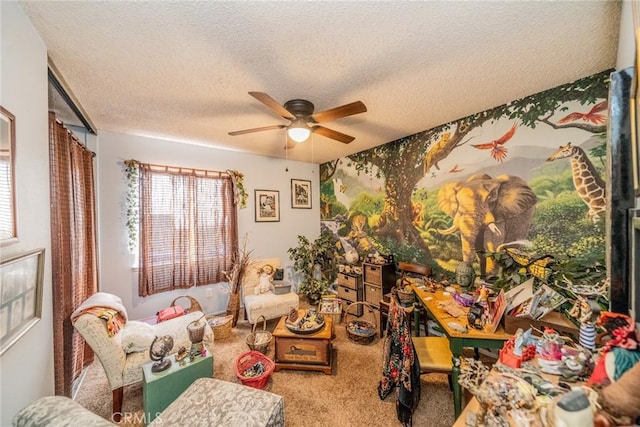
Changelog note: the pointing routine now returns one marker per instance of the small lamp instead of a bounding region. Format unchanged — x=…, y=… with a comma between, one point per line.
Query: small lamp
x=298, y=130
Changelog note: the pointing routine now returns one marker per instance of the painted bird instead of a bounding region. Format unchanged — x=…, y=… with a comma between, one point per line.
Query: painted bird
x=592, y=116
x=498, y=152
x=455, y=169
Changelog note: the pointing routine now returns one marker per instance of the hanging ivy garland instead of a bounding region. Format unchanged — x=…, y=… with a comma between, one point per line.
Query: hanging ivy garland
x=240, y=194
x=133, y=199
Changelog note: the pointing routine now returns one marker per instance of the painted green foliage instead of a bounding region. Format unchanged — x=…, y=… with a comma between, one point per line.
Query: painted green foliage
x=396, y=185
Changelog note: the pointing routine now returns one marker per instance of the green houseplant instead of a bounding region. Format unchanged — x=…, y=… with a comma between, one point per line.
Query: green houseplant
x=316, y=261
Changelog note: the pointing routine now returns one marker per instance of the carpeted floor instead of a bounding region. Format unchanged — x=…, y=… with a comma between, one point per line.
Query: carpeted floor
x=346, y=398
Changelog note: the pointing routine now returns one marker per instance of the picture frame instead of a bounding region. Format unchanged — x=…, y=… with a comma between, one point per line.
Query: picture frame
x=21, y=279
x=330, y=306
x=300, y=194
x=267, y=205
x=8, y=228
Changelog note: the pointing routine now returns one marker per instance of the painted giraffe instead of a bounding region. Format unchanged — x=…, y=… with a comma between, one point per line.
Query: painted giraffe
x=588, y=183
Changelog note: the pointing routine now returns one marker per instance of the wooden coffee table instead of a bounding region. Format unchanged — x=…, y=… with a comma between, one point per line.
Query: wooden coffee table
x=310, y=352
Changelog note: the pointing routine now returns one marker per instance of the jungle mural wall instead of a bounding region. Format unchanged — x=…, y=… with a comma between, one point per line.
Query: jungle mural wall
x=531, y=170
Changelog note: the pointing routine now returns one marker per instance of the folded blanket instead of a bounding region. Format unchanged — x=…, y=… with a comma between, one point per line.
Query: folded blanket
x=100, y=299
x=114, y=319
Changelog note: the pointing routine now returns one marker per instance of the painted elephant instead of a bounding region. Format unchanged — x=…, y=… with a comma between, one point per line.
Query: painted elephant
x=487, y=212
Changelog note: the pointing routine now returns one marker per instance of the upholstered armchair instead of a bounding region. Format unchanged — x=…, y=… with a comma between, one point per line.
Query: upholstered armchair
x=258, y=301
x=123, y=354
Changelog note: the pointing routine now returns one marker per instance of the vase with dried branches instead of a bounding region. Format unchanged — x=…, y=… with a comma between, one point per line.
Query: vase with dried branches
x=241, y=264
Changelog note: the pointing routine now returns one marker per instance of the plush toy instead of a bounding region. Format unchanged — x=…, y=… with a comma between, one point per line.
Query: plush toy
x=265, y=280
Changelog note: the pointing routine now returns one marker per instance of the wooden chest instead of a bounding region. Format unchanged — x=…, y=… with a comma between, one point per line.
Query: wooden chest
x=311, y=352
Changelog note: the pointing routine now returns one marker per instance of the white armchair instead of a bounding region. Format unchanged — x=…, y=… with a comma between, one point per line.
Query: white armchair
x=123, y=355
x=268, y=304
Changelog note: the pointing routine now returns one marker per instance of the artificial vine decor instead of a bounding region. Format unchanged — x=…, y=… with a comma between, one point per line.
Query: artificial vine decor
x=240, y=195
x=133, y=199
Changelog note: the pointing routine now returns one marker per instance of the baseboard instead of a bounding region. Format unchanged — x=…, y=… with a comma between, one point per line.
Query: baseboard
x=75, y=387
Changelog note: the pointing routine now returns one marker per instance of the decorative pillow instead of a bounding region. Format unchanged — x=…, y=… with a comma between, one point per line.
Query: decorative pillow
x=136, y=336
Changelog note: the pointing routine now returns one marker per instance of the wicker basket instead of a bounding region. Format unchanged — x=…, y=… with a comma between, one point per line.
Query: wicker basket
x=259, y=340
x=406, y=298
x=248, y=360
x=194, y=304
x=221, y=326
x=361, y=331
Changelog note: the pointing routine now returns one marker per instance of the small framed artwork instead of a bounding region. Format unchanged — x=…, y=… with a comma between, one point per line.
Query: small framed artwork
x=300, y=194
x=20, y=296
x=267, y=205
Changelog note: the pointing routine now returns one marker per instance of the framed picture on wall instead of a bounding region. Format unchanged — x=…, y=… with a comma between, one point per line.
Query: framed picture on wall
x=300, y=194
x=20, y=296
x=267, y=205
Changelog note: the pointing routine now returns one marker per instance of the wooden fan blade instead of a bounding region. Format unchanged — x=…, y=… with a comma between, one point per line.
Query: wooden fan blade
x=337, y=112
x=242, y=132
x=273, y=104
x=333, y=134
x=290, y=144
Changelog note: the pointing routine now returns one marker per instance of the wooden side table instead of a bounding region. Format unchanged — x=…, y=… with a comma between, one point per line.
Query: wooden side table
x=159, y=389
x=311, y=352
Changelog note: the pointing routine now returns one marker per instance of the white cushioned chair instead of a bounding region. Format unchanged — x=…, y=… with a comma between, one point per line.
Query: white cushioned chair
x=123, y=355
x=269, y=304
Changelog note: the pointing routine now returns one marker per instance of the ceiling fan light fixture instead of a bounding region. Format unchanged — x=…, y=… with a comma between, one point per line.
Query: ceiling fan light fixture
x=298, y=130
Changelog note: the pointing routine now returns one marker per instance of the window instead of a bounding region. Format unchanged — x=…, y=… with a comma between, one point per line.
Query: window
x=187, y=228
x=7, y=229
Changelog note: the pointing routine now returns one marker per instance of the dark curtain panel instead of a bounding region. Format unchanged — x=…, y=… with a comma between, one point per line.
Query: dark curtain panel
x=73, y=248
x=620, y=196
x=188, y=228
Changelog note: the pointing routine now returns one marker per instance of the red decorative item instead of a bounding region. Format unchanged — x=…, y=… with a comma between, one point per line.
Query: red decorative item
x=509, y=358
x=249, y=359
x=170, y=313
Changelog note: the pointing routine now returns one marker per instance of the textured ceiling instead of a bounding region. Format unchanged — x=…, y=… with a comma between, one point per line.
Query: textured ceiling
x=182, y=70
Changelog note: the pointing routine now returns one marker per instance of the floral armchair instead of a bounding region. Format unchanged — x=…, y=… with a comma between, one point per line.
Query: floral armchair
x=123, y=354
x=260, y=300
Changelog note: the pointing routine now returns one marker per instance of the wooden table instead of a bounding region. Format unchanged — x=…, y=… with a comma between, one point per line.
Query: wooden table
x=312, y=352
x=457, y=340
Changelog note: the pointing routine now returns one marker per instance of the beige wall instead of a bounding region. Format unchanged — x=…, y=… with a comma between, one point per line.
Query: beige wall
x=267, y=240
x=26, y=368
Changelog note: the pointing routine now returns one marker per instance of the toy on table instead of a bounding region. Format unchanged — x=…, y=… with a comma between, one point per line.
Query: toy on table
x=519, y=348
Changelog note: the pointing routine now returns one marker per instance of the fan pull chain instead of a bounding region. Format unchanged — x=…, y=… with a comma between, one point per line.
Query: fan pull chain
x=286, y=154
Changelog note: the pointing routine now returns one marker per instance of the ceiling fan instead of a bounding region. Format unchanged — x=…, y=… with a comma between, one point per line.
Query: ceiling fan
x=303, y=120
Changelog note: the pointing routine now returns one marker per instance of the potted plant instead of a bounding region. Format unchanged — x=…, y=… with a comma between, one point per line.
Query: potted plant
x=316, y=261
